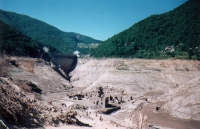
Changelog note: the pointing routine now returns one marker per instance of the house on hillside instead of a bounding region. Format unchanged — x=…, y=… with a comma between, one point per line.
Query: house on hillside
x=169, y=49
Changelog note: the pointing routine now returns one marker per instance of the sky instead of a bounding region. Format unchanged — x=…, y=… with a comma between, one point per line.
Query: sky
x=99, y=19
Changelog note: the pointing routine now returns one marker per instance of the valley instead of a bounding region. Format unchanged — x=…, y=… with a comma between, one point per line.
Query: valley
x=120, y=91
x=145, y=77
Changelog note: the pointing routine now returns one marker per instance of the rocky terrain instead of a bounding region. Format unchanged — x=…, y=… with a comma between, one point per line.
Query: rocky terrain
x=171, y=85
x=112, y=93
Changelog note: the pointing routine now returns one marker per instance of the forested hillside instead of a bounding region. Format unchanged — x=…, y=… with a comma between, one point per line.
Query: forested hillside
x=65, y=42
x=14, y=42
x=179, y=28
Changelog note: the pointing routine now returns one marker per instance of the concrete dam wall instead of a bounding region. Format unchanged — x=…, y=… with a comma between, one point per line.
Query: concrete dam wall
x=66, y=62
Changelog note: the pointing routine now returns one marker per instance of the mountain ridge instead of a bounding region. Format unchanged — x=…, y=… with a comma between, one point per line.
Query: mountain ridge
x=65, y=42
x=13, y=42
x=149, y=37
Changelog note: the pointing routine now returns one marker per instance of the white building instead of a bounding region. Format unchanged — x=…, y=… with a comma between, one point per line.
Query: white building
x=76, y=53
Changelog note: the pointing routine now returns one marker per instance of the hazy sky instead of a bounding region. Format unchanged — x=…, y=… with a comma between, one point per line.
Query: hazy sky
x=99, y=19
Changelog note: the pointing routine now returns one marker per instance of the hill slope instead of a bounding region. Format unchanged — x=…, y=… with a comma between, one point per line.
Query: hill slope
x=14, y=42
x=65, y=42
x=146, y=39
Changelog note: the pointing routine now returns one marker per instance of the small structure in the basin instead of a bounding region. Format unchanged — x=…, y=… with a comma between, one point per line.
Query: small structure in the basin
x=77, y=96
x=103, y=99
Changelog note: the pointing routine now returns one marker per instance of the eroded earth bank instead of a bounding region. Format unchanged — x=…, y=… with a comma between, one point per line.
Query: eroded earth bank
x=108, y=93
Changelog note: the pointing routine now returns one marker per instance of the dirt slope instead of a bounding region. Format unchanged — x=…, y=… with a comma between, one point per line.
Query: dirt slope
x=175, y=83
x=40, y=73
x=172, y=86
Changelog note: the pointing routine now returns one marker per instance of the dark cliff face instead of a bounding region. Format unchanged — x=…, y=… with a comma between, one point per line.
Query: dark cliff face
x=66, y=63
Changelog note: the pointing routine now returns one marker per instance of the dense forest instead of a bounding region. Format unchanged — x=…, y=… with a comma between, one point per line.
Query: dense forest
x=65, y=42
x=179, y=29
x=14, y=42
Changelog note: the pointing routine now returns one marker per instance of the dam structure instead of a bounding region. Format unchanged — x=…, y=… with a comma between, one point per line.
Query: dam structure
x=64, y=63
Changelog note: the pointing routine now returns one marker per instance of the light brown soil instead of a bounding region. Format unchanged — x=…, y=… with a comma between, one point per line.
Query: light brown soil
x=157, y=80
x=172, y=85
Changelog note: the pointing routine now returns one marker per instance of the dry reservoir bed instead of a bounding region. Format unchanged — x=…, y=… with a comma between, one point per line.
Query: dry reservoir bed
x=114, y=93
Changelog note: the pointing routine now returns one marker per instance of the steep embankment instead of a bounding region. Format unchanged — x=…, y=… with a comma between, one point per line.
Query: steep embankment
x=39, y=73
x=19, y=107
x=22, y=100
x=184, y=101
x=175, y=82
